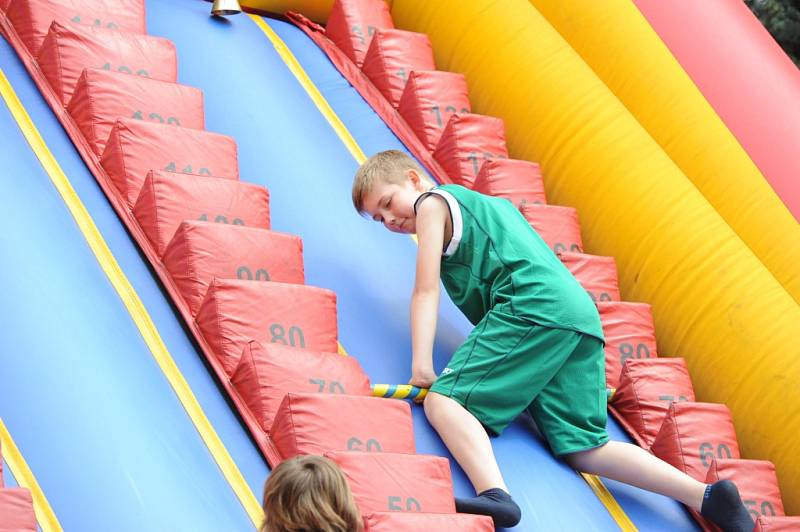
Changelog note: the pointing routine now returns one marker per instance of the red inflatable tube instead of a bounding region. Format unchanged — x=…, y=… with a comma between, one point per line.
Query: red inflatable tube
x=693, y=435
x=32, y=18
x=428, y=101
x=394, y=521
x=167, y=199
x=4, y=4
x=777, y=524
x=629, y=333
x=757, y=483
x=558, y=226
x=102, y=97
x=67, y=50
x=520, y=182
x=352, y=23
x=469, y=140
x=392, y=56
x=235, y=312
x=646, y=389
x=390, y=482
x=266, y=373
x=313, y=423
x=598, y=275
x=16, y=510
x=135, y=147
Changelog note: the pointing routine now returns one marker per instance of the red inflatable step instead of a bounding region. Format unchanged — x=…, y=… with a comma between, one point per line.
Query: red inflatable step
x=558, y=226
x=693, y=434
x=629, y=333
x=267, y=372
x=135, y=147
x=352, y=23
x=428, y=101
x=777, y=524
x=235, y=312
x=201, y=251
x=67, y=50
x=757, y=483
x=16, y=510
x=469, y=140
x=32, y=18
x=101, y=97
x=313, y=423
x=394, y=521
x=395, y=482
x=392, y=56
x=597, y=275
x=646, y=389
x=520, y=182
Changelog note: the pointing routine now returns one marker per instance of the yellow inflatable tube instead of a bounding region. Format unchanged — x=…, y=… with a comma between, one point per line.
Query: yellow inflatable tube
x=618, y=43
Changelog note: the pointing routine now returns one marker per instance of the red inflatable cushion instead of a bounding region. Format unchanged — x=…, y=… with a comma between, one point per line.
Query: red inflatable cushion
x=629, y=333
x=67, y=50
x=757, y=483
x=597, y=275
x=135, y=147
x=394, y=521
x=558, y=226
x=312, y=423
x=32, y=18
x=16, y=510
x=167, y=199
x=520, y=182
x=393, y=482
x=352, y=23
x=101, y=97
x=235, y=312
x=392, y=56
x=266, y=373
x=646, y=389
x=201, y=251
x=469, y=140
x=428, y=101
x=777, y=524
x=693, y=434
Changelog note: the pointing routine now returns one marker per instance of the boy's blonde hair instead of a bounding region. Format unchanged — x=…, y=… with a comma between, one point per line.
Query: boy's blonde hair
x=309, y=494
x=388, y=166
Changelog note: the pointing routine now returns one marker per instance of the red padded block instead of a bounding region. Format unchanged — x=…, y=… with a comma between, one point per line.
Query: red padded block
x=392, y=482
x=467, y=142
x=235, y=312
x=558, y=226
x=394, y=521
x=392, y=56
x=67, y=50
x=167, y=199
x=757, y=483
x=312, y=423
x=267, y=372
x=352, y=23
x=646, y=389
x=135, y=147
x=597, y=275
x=693, y=434
x=777, y=524
x=16, y=510
x=101, y=97
x=520, y=182
x=201, y=251
x=32, y=18
x=428, y=101
x=629, y=333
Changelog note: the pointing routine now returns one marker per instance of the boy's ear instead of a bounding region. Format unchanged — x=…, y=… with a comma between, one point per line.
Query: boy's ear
x=414, y=176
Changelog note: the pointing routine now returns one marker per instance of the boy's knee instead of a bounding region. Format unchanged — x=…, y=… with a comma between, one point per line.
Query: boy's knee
x=433, y=405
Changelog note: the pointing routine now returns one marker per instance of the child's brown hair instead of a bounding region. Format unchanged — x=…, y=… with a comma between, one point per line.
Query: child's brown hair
x=309, y=494
x=388, y=166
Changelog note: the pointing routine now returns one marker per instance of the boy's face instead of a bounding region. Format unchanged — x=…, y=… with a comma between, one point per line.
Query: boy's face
x=392, y=204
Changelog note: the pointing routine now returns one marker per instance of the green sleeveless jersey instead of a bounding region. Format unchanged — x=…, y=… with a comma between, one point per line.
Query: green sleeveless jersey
x=495, y=260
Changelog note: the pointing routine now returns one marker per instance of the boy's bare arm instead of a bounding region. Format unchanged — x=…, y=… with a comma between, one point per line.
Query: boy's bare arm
x=431, y=219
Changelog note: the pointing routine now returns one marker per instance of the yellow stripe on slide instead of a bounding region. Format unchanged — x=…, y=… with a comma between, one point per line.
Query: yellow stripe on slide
x=133, y=304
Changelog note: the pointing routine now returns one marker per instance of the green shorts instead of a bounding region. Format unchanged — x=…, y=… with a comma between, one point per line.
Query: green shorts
x=509, y=364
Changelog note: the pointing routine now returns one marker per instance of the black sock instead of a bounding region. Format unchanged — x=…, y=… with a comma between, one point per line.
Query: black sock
x=495, y=503
x=723, y=506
